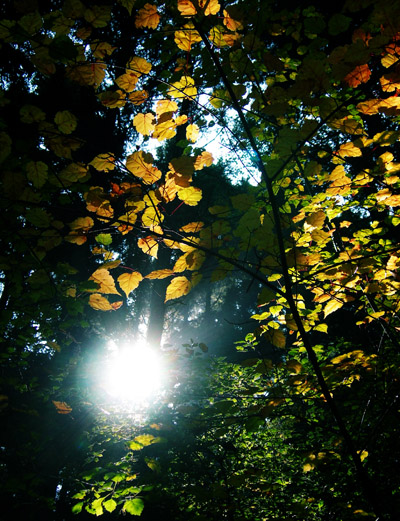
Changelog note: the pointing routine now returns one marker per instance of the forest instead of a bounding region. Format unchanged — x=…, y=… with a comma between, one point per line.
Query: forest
x=199, y=264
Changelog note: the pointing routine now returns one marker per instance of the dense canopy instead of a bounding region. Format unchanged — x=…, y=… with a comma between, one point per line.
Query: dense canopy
x=221, y=178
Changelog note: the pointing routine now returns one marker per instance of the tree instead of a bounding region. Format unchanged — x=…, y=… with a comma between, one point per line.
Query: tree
x=313, y=98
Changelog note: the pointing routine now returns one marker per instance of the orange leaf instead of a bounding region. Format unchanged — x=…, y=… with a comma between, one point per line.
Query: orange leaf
x=360, y=74
x=147, y=17
x=62, y=407
x=178, y=287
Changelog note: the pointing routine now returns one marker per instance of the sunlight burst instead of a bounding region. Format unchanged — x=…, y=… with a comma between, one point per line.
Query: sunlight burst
x=133, y=374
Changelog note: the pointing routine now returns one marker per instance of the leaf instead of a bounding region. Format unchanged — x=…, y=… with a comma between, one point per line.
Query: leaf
x=147, y=17
x=160, y=274
x=145, y=439
x=187, y=37
x=65, y=121
x=97, y=301
x=149, y=246
x=129, y=281
x=133, y=506
x=37, y=173
x=110, y=505
x=103, y=162
x=178, y=287
x=104, y=238
x=82, y=223
x=165, y=105
x=192, y=133
x=144, y=123
x=62, y=407
x=140, y=165
x=332, y=306
x=190, y=196
x=138, y=65
x=105, y=281
x=361, y=74
x=127, y=81
x=183, y=88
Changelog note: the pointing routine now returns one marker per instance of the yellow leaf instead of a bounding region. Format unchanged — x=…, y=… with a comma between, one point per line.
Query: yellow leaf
x=105, y=281
x=97, y=301
x=165, y=130
x=192, y=132
x=332, y=306
x=103, y=162
x=186, y=8
x=139, y=164
x=349, y=150
x=204, y=159
x=138, y=97
x=129, y=281
x=82, y=223
x=190, y=196
x=138, y=65
x=315, y=220
x=149, y=246
x=183, y=88
x=127, y=81
x=178, y=287
x=165, y=105
x=144, y=123
x=160, y=274
x=192, y=227
x=186, y=37
x=147, y=17
x=65, y=121
x=211, y=6
x=221, y=37
x=152, y=217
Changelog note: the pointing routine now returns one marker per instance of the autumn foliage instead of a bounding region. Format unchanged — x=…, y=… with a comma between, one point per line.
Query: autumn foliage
x=307, y=101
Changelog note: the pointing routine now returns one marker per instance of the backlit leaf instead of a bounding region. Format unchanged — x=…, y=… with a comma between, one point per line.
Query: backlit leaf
x=178, y=287
x=97, y=301
x=333, y=305
x=133, y=506
x=183, y=88
x=103, y=162
x=62, y=407
x=129, y=281
x=147, y=17
x=190, y=196
x=187, y=37
x=360, y=74
x=192, y=132
x=138, y=66
x=149, y=246
x=110, y=505
x=105, y=281
x=160, y=274
x=140, y=165
x=144, y=123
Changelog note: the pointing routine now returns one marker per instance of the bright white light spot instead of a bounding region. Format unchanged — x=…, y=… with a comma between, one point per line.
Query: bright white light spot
x=133, y=374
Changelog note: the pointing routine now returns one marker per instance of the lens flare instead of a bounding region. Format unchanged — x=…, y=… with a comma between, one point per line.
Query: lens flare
x=133, y=374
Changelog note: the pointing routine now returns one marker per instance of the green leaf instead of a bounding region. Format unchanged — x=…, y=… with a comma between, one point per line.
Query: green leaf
x=110, y=505
x=104, y=238
x=133, y=506
x=76, y=509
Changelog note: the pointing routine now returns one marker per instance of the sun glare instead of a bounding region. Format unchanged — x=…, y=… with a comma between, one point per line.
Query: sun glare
x=133, y=374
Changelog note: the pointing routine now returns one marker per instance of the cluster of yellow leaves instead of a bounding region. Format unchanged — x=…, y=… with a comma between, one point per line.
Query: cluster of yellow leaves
x=186, y=7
